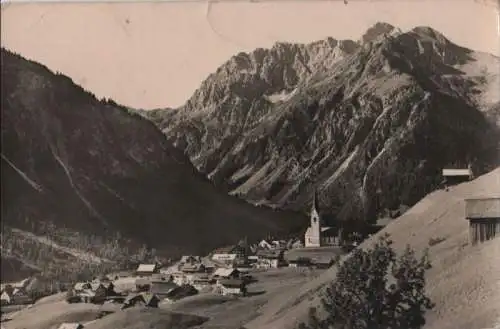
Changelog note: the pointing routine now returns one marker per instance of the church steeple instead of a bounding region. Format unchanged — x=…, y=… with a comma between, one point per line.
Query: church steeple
x=315, y=212
x=315, y=202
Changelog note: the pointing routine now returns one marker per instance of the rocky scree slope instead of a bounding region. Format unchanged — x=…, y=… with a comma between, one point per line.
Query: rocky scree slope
x=79, y=163
x=369, y=123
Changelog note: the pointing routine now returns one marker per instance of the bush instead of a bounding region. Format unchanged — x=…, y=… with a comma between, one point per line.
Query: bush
x=376, y=290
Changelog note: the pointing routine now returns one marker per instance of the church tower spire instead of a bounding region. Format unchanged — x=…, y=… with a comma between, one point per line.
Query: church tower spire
x=313, y=238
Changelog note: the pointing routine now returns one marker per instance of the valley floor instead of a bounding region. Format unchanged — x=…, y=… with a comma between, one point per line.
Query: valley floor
x=216, y=310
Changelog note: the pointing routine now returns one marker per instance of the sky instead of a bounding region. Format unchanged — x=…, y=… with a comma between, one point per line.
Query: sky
x=151, y=55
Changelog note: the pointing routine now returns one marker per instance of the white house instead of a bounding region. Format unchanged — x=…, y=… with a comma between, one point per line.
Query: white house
x=147, y=269
x=226, y=273
x=5, y=298
x=230, y=255
x=316, y=234
x=232, y=287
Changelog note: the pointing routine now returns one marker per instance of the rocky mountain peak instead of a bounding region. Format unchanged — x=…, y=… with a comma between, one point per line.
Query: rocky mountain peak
x=379, y=30
x=342, y=116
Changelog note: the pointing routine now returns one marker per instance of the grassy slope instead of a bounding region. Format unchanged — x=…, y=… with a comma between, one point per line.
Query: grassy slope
x=464, y=280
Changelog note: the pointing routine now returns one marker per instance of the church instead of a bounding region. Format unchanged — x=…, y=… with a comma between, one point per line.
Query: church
x=318, y=235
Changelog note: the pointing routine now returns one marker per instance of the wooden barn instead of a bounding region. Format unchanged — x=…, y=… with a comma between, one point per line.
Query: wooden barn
x=483, y=215
x=456, y=176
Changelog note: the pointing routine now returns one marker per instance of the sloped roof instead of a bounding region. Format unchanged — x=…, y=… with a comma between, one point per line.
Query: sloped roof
x=71, y=325
x=163, y=287
x=225, y=250
x=232, y=283
x=150, y=299
x=456, y=172
x=478, y=208
x=82, y=286
x=193, y=268
x=224, y=272
x=270, y=254
x=142, y=282
x=146, y=268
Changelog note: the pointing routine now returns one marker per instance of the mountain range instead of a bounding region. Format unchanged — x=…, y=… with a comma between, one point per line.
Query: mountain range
x=93, y=167
x=368, y=124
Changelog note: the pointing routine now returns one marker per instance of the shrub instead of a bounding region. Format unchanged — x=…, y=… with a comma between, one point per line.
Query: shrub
x=376, y=290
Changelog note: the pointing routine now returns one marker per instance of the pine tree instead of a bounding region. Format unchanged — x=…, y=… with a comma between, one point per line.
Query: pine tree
x=374, y=289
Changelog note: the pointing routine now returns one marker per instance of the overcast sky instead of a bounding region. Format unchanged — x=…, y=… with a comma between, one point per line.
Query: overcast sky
x=156, y=54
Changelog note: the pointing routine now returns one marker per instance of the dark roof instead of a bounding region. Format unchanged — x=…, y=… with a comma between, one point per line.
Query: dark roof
x=162, y=287
x=232, y=283
x=270, y=254
x=142, y=282
x=225, y=250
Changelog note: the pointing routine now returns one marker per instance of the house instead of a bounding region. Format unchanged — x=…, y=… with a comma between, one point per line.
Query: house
x=190, y=259
x=318, y=235
x=180, y=292
x=270, y=258
x=101, y=291
x=202, y=282
x=232, y=287
x=71, y=325
x=147, y=269
x=81, y=286
x=161, y=289
x=142, y=284
x=193, y=268
x=5, y=298
x=265, y=245
x=20, y=297
x=160, y=277
x=483, y=215
x=22, y=284
x=230, y=255
x=456, y=176
x=118, y=275
x=142, y=299
x=180, y=278
x=87, y=296
x=226, y=273
x=300, y=262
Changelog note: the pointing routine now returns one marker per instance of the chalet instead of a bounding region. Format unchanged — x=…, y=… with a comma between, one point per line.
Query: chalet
x=20, y=296
x=180, y=278
x=142, y=284
x=119, y=275
x=193, y=268
x=81, y=286
x=161, y=277
x=142, y=299
x=162, y=289
x=22, y=284
x=226, y=273
x=456, y=176
x=232, y=287
x=270, y=258
x=265, y=245
x=483, y=215
x=318, y=235
x=300, y=262
x=230, y=255
x=190, y=259
x=87, y=296
x=180, y=292
x=202, y=282
x=5, y=298
x=147, y=269
x=71, y=325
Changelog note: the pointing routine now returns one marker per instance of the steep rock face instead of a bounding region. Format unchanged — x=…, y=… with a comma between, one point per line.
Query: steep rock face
x=95, y=167
x=370, y=123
